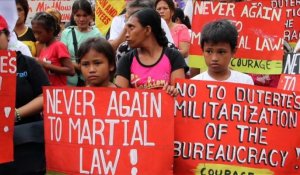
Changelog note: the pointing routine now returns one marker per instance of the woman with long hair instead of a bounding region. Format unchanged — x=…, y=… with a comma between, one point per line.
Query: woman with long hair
x=151, y=64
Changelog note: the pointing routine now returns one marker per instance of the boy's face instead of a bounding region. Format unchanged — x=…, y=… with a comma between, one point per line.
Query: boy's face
x=217, y=56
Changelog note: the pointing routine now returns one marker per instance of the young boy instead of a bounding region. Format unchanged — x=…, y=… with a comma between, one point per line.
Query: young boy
x=218, y=43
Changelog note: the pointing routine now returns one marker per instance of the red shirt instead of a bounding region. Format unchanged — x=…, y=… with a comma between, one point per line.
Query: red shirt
x=53, y=55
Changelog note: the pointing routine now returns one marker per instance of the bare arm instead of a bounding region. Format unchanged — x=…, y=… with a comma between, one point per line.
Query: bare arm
x=184, y=49
x=122, y=81
x=33, y=107
x=76, y=66
x=67, y=67
x=170, y=88
x=179, y=73
x=120, y=39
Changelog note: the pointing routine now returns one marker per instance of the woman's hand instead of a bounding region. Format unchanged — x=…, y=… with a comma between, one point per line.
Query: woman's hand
x=171, y=90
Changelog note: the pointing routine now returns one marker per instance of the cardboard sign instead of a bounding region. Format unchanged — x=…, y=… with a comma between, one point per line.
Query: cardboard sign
x=291, y=63
x=260, y=47
x=289, y=82
x=292, y=23
x=8, y=71
x=108, y=131
x=290, y=79
x=105, y=11
x=227, y=128
x=63, y=6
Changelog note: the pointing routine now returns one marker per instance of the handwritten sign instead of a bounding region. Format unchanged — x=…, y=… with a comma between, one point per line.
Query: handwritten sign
x=108, y=131
x=63, y=6
x=8, y=71
x=260, y=47
x=105, y=11
x=292, y=23
x=235, y=129
x=289, y=82
x=290, y=79
x=291, y=63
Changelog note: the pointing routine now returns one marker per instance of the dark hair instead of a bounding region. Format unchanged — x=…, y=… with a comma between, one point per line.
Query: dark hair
x=219, y=31
x=150, y=17
x=25, y=6
x=178, y=13
x=82, y=5
x=6, y=32
x=140, y=4
x=169, y=2
x=100, y=45
x=48, y=22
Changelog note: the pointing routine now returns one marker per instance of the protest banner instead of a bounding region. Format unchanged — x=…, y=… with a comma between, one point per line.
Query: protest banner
x=290, y=79
x=235, y=129
x=260, y=47
x=291, y=63
x=63, y=6
x=292, y=23
x=105, y=11
x=8, y=71
x=289, y=82
x=108, y=131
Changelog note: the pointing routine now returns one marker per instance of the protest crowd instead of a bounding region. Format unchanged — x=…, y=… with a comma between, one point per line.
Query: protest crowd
x=148, y=45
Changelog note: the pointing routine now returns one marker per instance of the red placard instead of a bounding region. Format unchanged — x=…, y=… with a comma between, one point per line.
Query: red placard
x=292, y=23
x=290, y=82
x=236, y=129
x=260, y=48
x=108, y=131
x=8, y=70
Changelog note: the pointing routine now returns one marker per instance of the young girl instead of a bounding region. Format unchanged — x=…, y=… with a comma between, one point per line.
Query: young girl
x=82, y=13
x=54, y=56
x=97, y=63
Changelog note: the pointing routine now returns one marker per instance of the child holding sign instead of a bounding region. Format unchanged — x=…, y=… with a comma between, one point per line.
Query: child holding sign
x=219, y=44
x=97, y=63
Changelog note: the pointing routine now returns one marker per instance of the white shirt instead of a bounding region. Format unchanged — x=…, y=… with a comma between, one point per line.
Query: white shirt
x=117, y=25
x=188, y=10
x=16, y=45
x=235, y=77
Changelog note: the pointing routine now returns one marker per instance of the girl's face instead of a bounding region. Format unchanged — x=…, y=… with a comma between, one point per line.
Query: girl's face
x=82, y=19
x=21, y=14
x=217, y=57
x=3, y=41
x=40, y=33
x=164, y=11
x=96, y=69
x=135, y=32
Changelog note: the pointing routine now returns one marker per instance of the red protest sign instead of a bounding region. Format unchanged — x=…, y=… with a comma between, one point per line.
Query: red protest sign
x=235, y=129
x=290, y=78
x=292, y=23
x=8, y=70
x=108, y=131
x=259, y=45
x=290, y=82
